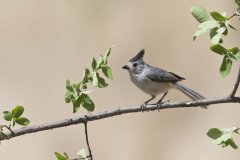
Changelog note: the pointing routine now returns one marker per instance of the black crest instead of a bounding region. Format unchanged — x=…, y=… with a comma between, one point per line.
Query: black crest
x=139, y=56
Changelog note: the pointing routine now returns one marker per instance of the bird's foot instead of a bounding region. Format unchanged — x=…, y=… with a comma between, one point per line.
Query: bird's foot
x=144, y=106
x=159, y=105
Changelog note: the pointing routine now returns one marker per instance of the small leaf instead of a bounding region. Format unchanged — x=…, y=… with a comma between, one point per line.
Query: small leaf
x=76, y=104
x=105, y=57
x=82, y=154
x=232, y=143
x=226, y=66
x=207, y=25
x=17, y=111
x=69, y=96
x=217, y=48
x=223, y=138
x=232, y=57
x=214, y=133
x=95, y=79
x=216, y=39
x=107, y=72
x=102, y=83
x=7, y=115
x=237, y=55
x=100, y=62
x=199, y=13
x=87, y=103
x=198, y=33
x=69, y=87
x=86, y=75
x=237, y=2
x=213, y=32
x=233, y=50
x=94, y=63
x=217, y=16
x=22, y=121
x=60, y=156
x=3, y=136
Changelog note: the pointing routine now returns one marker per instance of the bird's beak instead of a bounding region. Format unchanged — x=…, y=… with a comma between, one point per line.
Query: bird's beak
x=126, y=67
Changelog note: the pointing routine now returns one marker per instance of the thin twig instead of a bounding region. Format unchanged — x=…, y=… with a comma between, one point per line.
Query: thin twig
x=116, y=112
x=232, y=94
x=9, y=128
x=88, y=145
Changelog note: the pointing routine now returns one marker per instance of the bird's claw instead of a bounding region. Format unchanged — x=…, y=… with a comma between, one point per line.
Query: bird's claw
x=143, y=107
x=159, y=105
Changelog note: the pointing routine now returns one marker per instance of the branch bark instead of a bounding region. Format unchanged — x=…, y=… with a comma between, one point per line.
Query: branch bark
x=116, y=112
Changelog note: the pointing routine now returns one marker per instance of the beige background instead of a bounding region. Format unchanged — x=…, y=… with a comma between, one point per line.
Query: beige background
x=45, y=42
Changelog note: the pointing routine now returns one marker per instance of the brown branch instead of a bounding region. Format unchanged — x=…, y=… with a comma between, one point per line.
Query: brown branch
x=116, y=112
x=232, y=94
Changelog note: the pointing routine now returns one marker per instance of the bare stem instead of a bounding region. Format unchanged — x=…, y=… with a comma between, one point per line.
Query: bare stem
x=232, y=94
x=88, y=145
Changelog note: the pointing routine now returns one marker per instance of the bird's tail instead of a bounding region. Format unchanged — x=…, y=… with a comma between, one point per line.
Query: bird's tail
x=190, y=93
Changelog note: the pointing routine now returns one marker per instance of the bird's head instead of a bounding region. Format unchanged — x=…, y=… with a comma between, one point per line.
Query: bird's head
x=136, y=64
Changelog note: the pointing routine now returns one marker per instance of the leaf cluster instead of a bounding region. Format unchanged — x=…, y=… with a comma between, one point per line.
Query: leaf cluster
x=77, y=94
x=217, y=25
x=224, y=137
x=14, y=117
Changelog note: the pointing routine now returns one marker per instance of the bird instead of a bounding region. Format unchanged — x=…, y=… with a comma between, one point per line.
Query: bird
x=154, y=81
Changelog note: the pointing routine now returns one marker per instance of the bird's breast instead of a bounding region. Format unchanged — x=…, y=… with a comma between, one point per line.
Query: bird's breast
x=148, y=86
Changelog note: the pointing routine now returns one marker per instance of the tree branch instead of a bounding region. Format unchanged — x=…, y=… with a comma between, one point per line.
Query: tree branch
x=86, y=135
x=232, y=94
x=116, y=112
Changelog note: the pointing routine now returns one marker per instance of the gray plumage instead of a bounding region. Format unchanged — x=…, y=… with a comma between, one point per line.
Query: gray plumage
x=155, y=81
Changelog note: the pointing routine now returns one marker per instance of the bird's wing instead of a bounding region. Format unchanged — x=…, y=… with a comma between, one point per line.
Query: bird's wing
x=160, y=75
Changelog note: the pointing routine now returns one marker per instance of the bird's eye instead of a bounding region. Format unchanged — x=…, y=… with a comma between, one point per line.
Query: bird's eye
x=135, y=64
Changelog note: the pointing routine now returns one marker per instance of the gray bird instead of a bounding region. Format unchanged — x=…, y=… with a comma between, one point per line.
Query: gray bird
x=155, y=81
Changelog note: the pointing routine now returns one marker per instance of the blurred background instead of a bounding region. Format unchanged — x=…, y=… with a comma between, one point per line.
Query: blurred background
x=43, y=43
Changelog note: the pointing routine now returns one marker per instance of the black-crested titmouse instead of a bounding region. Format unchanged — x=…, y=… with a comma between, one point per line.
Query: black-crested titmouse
x=155, y=81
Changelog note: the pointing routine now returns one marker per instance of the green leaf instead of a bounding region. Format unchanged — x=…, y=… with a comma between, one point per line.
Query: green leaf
x=213, y=32
x=234, y=50
x=87, y=103
x=216, y=39
x=105, y=57
x=100, y=62
x=218, y=17
x=69, y=96
x=217, y=48
x=237, y=55
x=198, y=33
x=223, y=138
x=199, y=13
x=207, y=25
x=231, y=143
x=76, y=104
x=22, y=121
x=86, y=75
x=214, y=133
x=102, y=83
x=82, y=154
x=17, y=111
x=3, y=136
x=232, y=57
x=69, y=87
x=94, y=63
x=95, y=79
x=7, y=115
x=107, y=72
x=226, y=66
x=60, y=156
x=237, y=2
